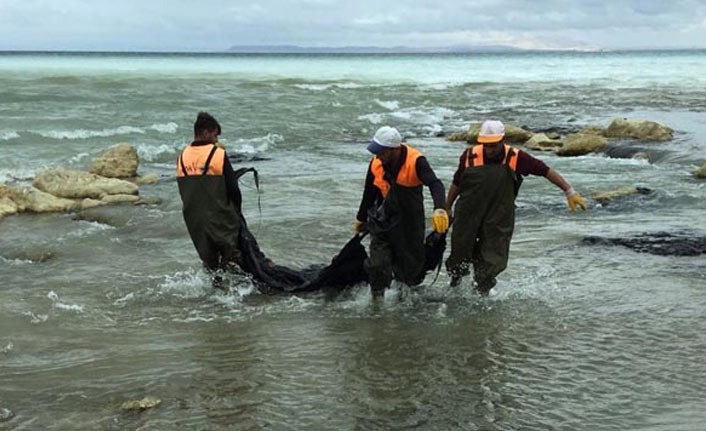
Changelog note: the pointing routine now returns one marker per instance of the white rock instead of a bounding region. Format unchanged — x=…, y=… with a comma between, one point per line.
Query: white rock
x=120, y=161
x=79, y=185
x=638, y=129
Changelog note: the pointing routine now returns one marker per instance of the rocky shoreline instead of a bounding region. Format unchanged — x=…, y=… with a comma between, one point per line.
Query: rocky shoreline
x=592, y=139
x=112, y=179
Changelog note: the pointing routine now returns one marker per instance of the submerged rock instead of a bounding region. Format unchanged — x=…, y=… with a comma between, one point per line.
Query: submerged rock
x=114, y=199
x=617, y=151
x=660, y=243
x=6, y=414
x=578, y=144
x=608, y=196
x=543, y=142
x=593, y=130
x=701, y=172
x=638, y=129
x=146, y=180
x=34, y=256
x=143, y=404
x=120, y=161
x=79, y=185
x=148, y=201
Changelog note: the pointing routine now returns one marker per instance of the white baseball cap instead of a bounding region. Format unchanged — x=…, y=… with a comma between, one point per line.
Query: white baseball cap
x=491, y=131
x=386, y=137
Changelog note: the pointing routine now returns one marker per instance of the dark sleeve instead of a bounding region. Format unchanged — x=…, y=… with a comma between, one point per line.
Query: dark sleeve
x=232, y=188
x=461, y=167
x=428, y=177
x=528, y=164
x=370, y=195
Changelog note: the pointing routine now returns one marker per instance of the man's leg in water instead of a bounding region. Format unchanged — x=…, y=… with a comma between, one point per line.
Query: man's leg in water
x=379, y=266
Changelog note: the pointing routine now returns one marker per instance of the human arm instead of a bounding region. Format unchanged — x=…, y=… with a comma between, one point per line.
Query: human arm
x=232, y=189
x=451, y=197
x=429, y=179
x=573, y=199
x=527, y=164
x=370, y=196
x=454, y=188
x=440, y=218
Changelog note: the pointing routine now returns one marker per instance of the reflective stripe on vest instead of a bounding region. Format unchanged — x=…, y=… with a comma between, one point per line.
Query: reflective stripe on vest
x=407, y=177
x=476, y=154
x=194, y=160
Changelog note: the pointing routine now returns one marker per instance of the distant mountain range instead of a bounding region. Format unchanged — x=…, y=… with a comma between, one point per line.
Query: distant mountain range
x=294, y=49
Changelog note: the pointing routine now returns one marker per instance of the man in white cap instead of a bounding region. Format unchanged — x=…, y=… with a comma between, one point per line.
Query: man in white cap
x=393, y=210
x=487, y=180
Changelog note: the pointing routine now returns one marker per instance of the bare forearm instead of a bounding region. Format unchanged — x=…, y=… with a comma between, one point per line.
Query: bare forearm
x=554, y=177
x=451, y=197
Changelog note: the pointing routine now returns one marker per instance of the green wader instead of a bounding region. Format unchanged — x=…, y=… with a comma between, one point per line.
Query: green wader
x=484, y=218
x=213, y=222
x=397, y=238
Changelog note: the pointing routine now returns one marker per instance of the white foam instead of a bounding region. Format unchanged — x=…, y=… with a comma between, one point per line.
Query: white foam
x=79, y=157
x=257, y=145
x=170, y=128
x=12, y=175
x=426, y=116
x=152, y=152
x=372, y=118
x=165, y=127
x=122, y=301
x=186, y=284
x=6, y=136
x=322, y=87
x=314, y=87
x=63, y=306
x=36, y=319
x=8, y=348
x=86, y=134
x=391, y=105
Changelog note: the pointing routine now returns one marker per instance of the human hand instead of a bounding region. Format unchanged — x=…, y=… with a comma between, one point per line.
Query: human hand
x=440, y=220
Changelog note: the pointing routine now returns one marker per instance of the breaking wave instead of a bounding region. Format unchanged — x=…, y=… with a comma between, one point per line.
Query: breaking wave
x=166, y=128
x=7, y=135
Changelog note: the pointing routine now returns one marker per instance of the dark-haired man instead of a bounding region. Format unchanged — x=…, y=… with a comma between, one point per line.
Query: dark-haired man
x=210, y=196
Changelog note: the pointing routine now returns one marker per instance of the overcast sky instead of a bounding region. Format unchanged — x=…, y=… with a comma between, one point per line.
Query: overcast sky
x=211, y=25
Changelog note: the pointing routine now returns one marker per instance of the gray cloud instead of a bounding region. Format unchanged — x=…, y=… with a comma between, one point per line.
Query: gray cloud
x=216, y=25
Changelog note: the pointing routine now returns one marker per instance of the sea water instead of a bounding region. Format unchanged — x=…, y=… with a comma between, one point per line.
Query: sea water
x=103, y=306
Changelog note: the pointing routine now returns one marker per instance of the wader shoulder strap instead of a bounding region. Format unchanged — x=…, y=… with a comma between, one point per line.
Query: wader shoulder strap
x=181, y=161
x=511, y=156
x=208, y=160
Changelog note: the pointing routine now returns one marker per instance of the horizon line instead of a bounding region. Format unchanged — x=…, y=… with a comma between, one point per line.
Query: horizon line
x=295, y=49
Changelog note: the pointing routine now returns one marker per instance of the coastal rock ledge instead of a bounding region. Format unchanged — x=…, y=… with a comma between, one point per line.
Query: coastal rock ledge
x=80, y=185
x=638, y=129
x=701, y=172
x=65, y=190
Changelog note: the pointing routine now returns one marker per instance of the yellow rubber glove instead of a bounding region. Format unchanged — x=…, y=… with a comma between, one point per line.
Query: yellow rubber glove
x=357, y=224
x=440, y=221
x=574, y=200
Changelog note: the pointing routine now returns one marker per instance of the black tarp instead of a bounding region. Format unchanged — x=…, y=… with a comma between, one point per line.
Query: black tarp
x=345, y=269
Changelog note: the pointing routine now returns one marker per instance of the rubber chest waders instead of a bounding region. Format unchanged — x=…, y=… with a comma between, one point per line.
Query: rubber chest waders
x=211, y=217
x=397, y=225
x=484, y=217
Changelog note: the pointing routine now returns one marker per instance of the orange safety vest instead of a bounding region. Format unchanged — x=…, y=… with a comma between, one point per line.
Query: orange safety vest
x=476, y=154
x=407, y=177
x=194, y=159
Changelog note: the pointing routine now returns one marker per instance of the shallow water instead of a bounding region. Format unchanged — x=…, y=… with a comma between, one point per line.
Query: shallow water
x=111, y=304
